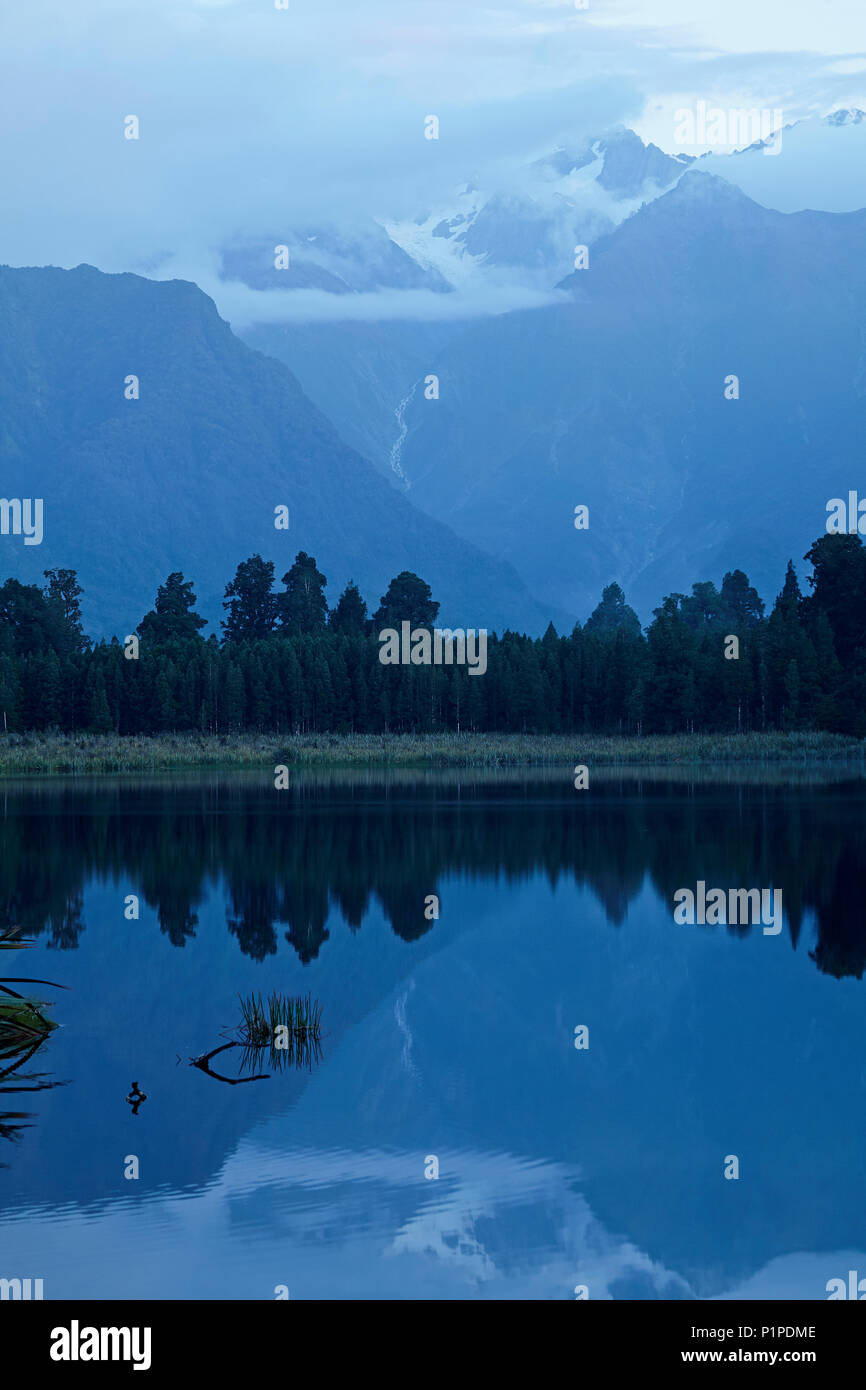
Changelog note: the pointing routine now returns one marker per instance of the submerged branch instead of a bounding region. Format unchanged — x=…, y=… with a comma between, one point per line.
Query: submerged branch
x=203, y=1065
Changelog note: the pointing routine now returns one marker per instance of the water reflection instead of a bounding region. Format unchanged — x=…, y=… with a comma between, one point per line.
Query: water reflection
x=449, y=1037
x=284, y=860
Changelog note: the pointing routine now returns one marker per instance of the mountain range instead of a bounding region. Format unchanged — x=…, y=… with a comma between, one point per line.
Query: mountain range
x=188, y=475
x=613, y=394
x=622, y=399
x=454, y=442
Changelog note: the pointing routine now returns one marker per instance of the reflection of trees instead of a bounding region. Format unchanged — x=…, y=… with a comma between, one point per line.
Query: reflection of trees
x=41, y=874
x=841, y=946
x=171, y=881
x=254, y=908
x=288, y=860
x=305, y=908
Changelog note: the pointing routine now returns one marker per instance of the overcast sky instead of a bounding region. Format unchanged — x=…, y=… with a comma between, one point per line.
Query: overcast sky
x=252, y=115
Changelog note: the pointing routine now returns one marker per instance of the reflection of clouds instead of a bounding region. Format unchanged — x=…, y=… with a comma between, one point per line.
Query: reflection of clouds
x=334, y=1223
x=799, y=1275
x=295, y=1216
x=467, y=1227
x=494, y=1224
x=337, y=1223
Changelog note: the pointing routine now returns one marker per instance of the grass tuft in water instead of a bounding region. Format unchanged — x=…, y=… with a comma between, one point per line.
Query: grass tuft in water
x=288, y=1029
x=266, y=1022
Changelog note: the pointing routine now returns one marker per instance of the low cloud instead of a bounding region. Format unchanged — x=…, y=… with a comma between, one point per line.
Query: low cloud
x=255, y=119
x=242, y=307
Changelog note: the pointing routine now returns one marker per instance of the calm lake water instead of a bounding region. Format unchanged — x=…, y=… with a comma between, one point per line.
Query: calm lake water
x=450, y=1039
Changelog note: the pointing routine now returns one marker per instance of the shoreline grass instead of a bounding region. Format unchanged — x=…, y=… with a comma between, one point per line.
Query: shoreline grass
x=52, y=755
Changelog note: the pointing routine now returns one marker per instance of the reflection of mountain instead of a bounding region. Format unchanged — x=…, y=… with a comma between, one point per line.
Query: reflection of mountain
x=288, y=860
x=556, y=1167
x=457, y=1235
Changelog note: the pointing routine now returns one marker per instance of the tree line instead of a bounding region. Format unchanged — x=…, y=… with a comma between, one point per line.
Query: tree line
x=287, y=662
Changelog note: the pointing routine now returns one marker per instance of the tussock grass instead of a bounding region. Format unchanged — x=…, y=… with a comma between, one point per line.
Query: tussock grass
x=32, y=755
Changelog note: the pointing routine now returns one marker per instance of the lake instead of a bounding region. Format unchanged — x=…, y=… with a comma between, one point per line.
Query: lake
x=448, y=1042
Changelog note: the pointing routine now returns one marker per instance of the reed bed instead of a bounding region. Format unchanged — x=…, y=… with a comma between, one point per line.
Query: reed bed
x=32, y=755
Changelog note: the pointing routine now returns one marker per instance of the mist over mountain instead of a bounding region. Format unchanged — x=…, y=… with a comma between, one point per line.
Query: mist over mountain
x=611, y=395
x=188, y=475
x=364, y=258
x=817, y=164
x=617, y=401
x=531, y=221
x=484, y=242
x=520, y=226
x=615, y=395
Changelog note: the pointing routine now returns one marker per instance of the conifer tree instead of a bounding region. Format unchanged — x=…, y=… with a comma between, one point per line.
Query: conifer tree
x=350, y=614
x=250, y=602
x=407, y=599
x=303, y=607
x=172, y=618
